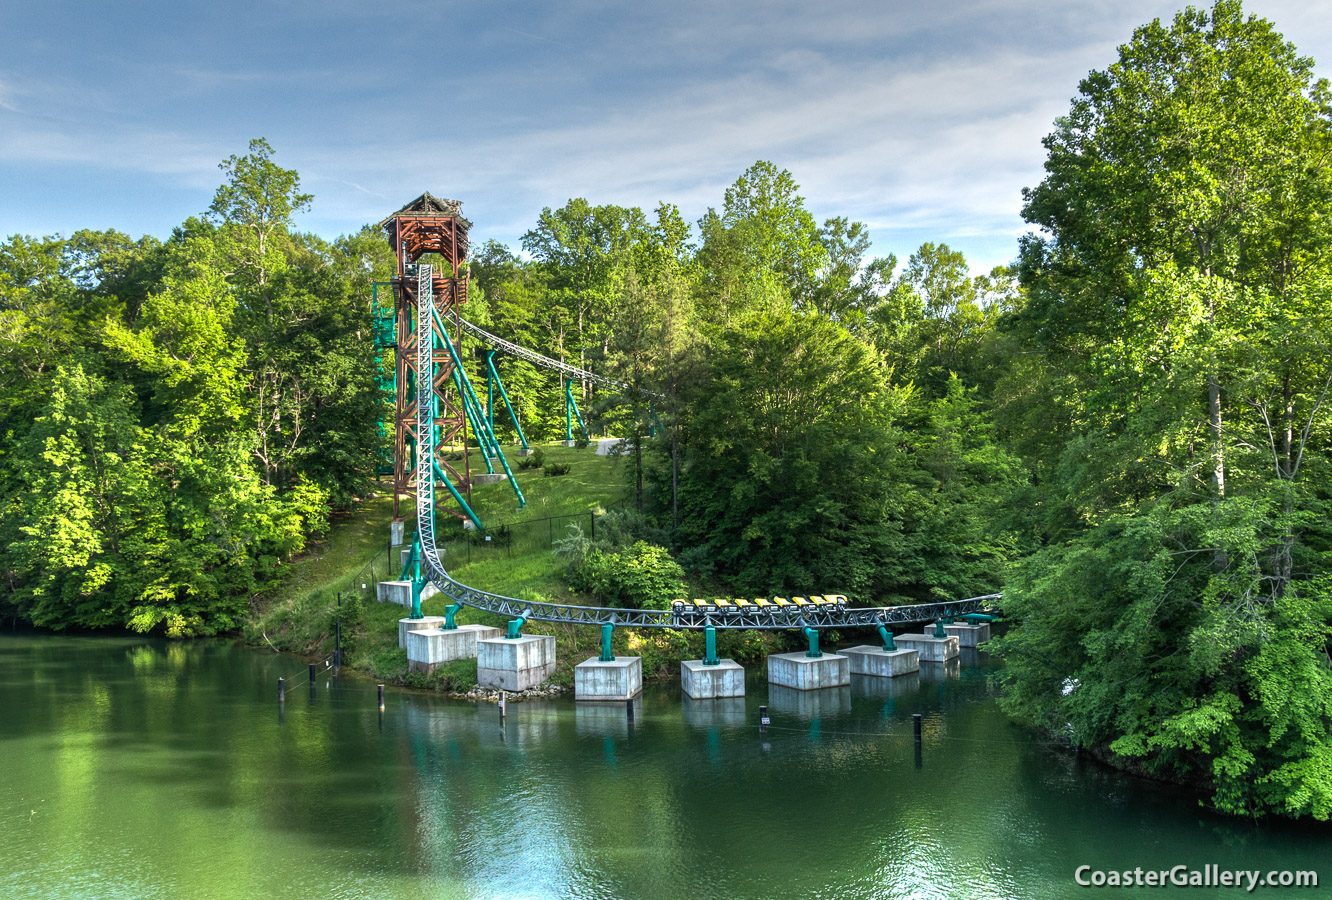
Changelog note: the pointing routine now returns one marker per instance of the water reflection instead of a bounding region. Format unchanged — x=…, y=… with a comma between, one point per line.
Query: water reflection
x=833, y=701
x=611, y=717
x=722, y=711
x=141, y=768
x=941, y=671
x=887, y=688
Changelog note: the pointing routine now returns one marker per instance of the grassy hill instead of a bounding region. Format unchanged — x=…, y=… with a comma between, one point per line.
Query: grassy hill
x=518, y=561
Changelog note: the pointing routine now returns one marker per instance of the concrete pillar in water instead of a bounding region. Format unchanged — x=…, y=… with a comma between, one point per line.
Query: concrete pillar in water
x=515, y=664
x=620, y=678
x=969, y=635
x=803, y=672
x=930, y=648
x=704, y=682
x=870, y=660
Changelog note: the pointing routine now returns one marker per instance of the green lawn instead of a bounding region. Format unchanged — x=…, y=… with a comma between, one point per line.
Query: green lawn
x=325, y=584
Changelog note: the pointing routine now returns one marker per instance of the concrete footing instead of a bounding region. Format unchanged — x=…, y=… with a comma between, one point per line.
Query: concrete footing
x=528, y=452
x=488, y=477
x=806, y=673
x=397, y=532
x=400, y=592
x=515, y=664
x=868, y=659
x=426, y=650
x=570, y=443
x=930, y=648
x=969, y=635
x=831, y=701
x=726, y=679
x=425, y=623
x=618, y=679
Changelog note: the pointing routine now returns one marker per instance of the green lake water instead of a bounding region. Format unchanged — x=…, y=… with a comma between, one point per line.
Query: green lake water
x=141, y=768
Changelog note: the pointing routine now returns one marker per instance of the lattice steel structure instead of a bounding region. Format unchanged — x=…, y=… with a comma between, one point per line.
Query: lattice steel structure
x=432, y=226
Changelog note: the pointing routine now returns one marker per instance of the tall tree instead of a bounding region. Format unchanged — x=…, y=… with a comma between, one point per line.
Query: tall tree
x=1178, y=304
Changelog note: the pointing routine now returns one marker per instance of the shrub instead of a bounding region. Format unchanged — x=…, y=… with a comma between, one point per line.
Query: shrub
x=535, y=461
x=620, y=528
x=557, y=469
x=641, y=577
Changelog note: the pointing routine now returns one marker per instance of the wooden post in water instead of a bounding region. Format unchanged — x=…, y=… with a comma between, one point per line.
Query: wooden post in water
x=381, y=698
x=282, y=690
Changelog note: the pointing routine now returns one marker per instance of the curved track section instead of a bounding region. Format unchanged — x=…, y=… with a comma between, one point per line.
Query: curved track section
x=536, y=359
x=767, y=617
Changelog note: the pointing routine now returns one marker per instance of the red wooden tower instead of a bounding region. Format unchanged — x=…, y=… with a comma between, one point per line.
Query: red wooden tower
x=435, y=229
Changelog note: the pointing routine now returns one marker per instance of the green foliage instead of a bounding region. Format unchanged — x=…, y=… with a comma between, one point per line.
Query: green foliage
x=642, y=576
x=553, y=469
x=1178, y=618
x=535, y=461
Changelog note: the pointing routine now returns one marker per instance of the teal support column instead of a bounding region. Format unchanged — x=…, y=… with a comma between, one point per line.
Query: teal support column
x=413, y=558
x=977, y=618
x=440, y=476
x=490, y=390
x=516, y=626
x=418, y=583
x=494, y=373
x=607, y=654
x=710, y=646
x=939, y=629
x=889, y=645
x=570, y=410
x=813, y=634
x=449, y=612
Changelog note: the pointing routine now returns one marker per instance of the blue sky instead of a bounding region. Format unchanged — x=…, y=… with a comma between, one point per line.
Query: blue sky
x=924, y=123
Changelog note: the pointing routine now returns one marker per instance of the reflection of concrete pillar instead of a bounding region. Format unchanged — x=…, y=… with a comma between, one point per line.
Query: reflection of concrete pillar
x=809, y=704
x=806, y=673
x=610, y=719
x=719, y=711
x=941, y=671
x=887, y=688
x=726, y=679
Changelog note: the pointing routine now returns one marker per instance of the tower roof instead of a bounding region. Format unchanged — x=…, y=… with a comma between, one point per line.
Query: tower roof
x=429, y=206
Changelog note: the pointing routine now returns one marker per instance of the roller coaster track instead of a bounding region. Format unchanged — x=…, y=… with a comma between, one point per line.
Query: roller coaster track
x=766, y=617
x=571, y=372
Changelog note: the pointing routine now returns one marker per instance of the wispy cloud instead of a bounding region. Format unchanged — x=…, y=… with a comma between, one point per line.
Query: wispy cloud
x=918, y=120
